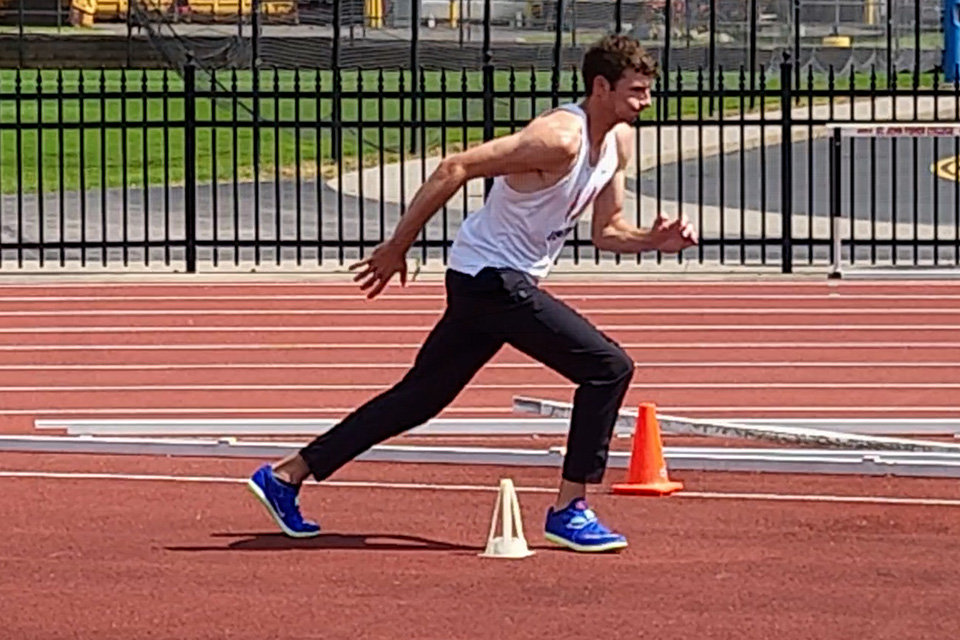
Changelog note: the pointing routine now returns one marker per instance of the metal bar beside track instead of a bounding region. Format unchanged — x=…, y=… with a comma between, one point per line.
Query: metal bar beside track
x=760, y=460
x=725, y=429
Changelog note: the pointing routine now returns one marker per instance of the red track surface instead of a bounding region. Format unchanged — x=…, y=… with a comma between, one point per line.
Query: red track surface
x=126, y=558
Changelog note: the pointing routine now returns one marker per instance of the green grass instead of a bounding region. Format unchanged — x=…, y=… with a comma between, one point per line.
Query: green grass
x=155, y=155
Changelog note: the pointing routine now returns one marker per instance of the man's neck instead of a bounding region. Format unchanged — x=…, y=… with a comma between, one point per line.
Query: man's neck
x=598, y=123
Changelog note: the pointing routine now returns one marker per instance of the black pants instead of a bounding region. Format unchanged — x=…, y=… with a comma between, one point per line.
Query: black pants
x=483, y=313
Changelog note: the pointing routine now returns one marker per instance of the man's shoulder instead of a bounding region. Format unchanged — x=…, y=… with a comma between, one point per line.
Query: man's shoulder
x=556, y=129
x=559, y=121
x=560, y=115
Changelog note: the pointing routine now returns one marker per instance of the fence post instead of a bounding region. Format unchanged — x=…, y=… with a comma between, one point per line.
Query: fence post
x=255, y=86
x=414, y=75
x=836, y=203
x=753, y=52
x=190, y=164
x=665, y=56
x=20, y=22
x=786, y=161
x=557, y=54
x=337, y=108
x=488, y=111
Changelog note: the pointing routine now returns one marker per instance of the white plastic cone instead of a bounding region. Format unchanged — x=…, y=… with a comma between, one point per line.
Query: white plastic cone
x=510, y=543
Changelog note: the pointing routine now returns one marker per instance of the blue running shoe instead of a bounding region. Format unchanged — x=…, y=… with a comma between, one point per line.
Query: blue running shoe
x=576, y=526
x=282, y=501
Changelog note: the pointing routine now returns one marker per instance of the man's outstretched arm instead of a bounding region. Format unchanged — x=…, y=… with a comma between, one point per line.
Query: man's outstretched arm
x=540, y=146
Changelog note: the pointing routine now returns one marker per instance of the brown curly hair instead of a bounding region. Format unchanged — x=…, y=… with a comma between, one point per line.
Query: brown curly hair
x=614, y=54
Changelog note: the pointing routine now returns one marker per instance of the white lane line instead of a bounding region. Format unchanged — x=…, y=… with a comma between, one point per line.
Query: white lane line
x=644, y=346
x=422, y=486
x=518, y=386
x=943, y=502
x=320, y=410
x=424, y=328
x=615, y=282
x=741, y=411
x=440, y=297
x=437, y=311
x=341, y=366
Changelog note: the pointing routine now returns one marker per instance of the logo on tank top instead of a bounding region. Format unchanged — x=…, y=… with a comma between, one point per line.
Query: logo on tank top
x=577, y=207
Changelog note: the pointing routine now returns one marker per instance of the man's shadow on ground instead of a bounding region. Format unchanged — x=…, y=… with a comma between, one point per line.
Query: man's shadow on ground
x=363, y=541
x=255, y=541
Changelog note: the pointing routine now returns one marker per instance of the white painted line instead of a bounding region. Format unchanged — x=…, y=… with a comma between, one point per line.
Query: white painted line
x=940, y=502
x=76, y=475
x=318, y=411
x=321, y=410
x=334, y=366
x=305, y=427
x=437, y=311
x=457, y=426
x=646, y=346
x=425, y=328
x=560, y=386
x=744, y=410
x=341, y=366
x=417, y=486
x=307, y=280
x=441, y=297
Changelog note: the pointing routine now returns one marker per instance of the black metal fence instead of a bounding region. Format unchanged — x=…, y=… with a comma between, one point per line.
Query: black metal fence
x=197, y=167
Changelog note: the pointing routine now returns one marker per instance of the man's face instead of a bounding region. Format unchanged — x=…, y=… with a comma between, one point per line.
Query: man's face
x=629, y=97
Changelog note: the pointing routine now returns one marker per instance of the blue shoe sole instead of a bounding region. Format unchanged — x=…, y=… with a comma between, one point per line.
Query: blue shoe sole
x=258, y=493
x=593, y=548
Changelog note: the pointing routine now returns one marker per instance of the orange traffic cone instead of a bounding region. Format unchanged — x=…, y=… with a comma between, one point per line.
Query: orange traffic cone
x=647, y=475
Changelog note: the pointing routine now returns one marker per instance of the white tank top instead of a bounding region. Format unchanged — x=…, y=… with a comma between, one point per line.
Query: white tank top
x=526, y=231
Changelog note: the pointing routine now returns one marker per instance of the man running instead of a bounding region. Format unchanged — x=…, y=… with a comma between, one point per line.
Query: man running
x=544, y=178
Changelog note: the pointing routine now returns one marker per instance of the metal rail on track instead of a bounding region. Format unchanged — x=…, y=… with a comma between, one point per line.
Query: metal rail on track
x=795, y=461
x=726, y=429
x=819, y=450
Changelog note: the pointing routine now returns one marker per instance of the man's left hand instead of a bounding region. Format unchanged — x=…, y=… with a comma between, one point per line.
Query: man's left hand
x=673, y=236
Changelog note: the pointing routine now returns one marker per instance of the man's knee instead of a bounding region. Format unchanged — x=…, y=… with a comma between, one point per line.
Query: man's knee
x=624, y=366
x=618, y=367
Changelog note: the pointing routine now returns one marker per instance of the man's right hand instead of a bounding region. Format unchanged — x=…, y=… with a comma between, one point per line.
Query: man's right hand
x=387, y=259
x=672, y=236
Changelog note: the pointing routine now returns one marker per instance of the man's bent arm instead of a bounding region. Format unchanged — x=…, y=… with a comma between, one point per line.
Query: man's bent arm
x=540, y=146
x=619, y=236
x=610, y=231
